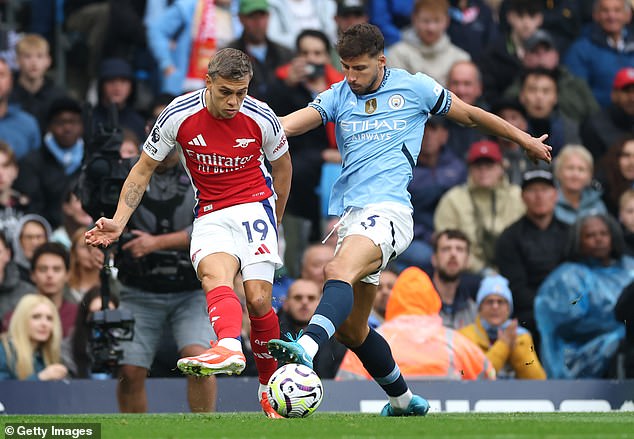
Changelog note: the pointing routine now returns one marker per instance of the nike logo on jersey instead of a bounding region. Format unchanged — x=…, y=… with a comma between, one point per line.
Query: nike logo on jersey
x=243, y=143
x=197, y=141
x=262, y=250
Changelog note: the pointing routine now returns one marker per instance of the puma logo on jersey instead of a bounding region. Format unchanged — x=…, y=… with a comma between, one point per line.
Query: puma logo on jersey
x=197, y=141
x=243, y=143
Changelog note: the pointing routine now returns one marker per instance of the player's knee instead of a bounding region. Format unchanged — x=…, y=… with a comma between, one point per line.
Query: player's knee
x=258, y=304
x=350, y=337
x=132, y=378
x=333, y=270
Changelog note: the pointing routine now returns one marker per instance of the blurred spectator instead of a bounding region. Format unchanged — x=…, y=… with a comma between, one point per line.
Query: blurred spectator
x=32, y=90
x=603, y=129
x=563, y=19
x=421, y=345
x=349, y=13
x=465, y=81
x=13, y=204
x=298, y=82
x=603, y=48
x=533, y=246
x=31, y=232
x=74, y=217
x=300, y=305
x=501, y=62
x=31, y=349
x=539, y=96
x=386, y=283
x=49, y=273
x=437, y=170
x=116, y=90
x=181, y=41
x=456, y=288
x=290, y=17
x=508, y=346
x=12, y=288
x=574, y=307
x=425, y=46
x=266, y=56
x=578, y=196
x=85, y=265
x=626, y=218
x=624, y=312
x=616, y=172
x=46, y=173
x=483, y=207
x=574, y=98
x=18, y=128
x=76, y=354
x=514, y=159
x=472, y=26
x=161, y=290
x=314, y=260
x=391, y=16
x=130, y=146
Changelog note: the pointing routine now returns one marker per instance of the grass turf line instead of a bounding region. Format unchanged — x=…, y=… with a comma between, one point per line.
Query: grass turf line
x=353, y=425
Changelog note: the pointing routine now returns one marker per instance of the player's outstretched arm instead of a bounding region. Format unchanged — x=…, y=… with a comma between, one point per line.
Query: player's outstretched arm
x=108, y=230
x=300, y=121
x=281, y=171
x=475, y=117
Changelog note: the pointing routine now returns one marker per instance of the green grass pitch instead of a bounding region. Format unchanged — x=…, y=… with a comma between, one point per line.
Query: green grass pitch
x=354, y=425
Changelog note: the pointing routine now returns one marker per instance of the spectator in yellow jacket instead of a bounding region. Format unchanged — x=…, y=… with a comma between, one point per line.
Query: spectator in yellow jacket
x=508, y=346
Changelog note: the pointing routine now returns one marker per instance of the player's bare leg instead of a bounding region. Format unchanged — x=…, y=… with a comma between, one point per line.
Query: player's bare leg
x=216, y=272
x=201, y=391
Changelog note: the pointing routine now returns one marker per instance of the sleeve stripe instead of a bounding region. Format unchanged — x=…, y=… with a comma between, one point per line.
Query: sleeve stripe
x=170, y=110
x=439, y=103
x=322, y=112
x=272, y=118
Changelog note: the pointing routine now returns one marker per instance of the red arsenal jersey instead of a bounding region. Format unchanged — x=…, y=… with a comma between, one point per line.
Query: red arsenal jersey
x=223, y=157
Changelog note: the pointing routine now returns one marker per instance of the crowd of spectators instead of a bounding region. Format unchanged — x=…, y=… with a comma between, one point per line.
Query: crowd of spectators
x=518, y=264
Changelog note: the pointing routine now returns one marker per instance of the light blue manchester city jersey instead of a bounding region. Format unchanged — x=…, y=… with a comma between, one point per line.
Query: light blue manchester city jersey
x=379, y=136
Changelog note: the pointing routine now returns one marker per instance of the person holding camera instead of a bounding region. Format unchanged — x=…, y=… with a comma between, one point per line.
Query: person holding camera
x=160, y=289
x=222, y=137
x=299, y=81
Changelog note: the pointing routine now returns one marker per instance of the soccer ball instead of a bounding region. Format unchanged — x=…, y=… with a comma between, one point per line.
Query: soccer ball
x=295, y=391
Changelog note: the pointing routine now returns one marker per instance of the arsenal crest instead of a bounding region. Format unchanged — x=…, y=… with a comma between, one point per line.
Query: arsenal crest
x=370, y=106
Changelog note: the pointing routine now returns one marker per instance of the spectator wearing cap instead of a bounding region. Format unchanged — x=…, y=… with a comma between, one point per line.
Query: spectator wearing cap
x=508, y=345
x=437, y=170
x=604, y=48
x=266, y=56
x=116, y=88
x=349, y=13
x=18, y=128
x=604, y=128
x=482, y=207
x=574, y=98
x=425, y=46
x=578, y=193
x=46, y=172
x=533, y=246
x=539, y=95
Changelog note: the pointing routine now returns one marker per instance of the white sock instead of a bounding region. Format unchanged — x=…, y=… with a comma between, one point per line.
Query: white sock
x=262, y=388
x=310, y=346
x=401, y=402
x=233, y=344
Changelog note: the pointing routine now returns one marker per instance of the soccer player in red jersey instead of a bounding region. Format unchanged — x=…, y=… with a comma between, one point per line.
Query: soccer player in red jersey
x=222, y=137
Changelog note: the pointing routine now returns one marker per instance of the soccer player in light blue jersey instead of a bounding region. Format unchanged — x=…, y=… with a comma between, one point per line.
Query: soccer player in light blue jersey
x=380, y=117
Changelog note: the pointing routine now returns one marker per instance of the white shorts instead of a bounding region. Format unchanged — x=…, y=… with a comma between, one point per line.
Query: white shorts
x=246, y=231
x=389, y=225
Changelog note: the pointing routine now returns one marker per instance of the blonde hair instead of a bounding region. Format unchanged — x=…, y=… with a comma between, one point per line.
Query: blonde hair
x=30, y=42
x=625, y=197
x=571, y=150
x=18, y=335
